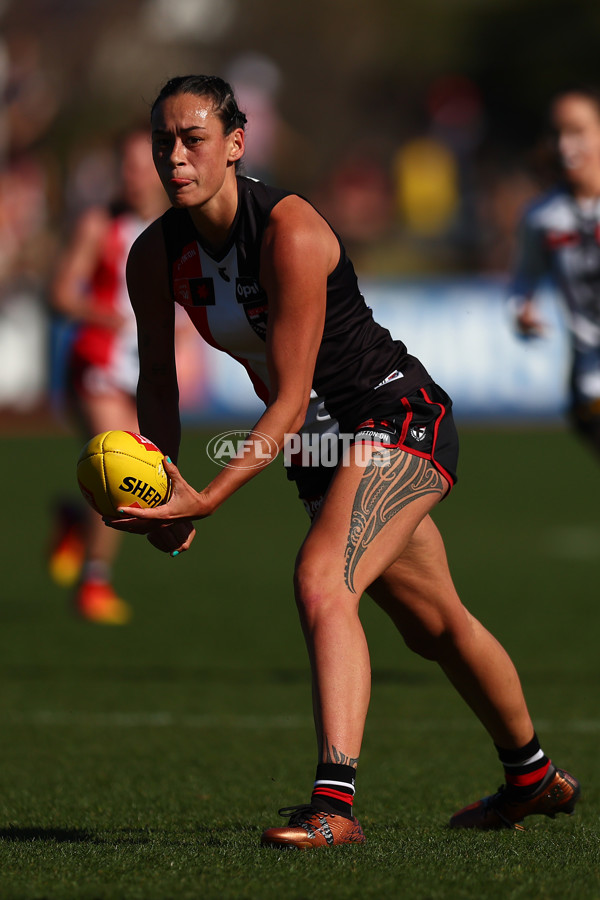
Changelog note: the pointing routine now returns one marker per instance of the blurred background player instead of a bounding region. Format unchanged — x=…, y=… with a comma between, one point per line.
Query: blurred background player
x=102, y=367
x=560, y=236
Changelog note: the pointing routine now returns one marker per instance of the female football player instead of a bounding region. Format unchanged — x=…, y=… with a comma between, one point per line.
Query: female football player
x=265, y=278
x=560, y=236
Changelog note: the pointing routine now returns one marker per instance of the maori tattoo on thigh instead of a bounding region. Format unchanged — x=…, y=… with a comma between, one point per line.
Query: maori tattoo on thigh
x=383, y=491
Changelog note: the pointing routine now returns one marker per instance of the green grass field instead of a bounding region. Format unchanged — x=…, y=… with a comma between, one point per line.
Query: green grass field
x=144, y=761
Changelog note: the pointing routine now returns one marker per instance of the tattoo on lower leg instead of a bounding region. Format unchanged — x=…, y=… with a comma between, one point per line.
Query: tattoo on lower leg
x=383, y=491
x=333, y=755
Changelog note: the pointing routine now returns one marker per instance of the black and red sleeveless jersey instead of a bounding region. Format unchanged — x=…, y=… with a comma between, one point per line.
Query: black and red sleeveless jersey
x=359, y=370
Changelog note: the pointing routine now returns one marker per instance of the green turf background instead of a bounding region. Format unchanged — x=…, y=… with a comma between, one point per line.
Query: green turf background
x=144, y=761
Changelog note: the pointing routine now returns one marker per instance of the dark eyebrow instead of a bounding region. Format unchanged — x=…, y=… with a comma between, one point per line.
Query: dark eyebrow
x=183, y=130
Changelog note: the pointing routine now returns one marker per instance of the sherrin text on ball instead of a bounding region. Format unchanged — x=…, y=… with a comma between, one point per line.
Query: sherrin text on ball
x=121, y=468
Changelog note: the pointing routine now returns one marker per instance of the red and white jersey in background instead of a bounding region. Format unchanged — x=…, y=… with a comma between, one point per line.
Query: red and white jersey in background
x=112, y=353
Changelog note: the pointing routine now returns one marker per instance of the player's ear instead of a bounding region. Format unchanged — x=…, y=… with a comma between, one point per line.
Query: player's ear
x=237, y=144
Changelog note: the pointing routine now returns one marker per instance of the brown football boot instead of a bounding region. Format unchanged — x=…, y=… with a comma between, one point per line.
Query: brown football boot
x=309, y=828
x=558, y=793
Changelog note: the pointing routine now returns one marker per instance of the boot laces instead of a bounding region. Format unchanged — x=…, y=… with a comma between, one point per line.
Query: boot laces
x=297, y=814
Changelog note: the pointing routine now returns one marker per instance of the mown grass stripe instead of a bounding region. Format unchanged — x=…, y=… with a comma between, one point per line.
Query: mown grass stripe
x=161, y=719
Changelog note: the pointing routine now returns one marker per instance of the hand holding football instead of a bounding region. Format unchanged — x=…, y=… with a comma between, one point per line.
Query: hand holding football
x=121, y=468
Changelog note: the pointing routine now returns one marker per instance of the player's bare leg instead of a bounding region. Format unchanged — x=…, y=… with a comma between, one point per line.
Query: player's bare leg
x=367, y=519
x=418, y=594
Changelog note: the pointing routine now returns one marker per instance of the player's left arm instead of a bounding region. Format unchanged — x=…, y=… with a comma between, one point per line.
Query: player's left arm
x=298, y=253
x=530, y=265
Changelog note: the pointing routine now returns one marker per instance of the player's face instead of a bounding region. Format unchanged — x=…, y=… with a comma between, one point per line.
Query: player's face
x=191, y=153
x=577, y=123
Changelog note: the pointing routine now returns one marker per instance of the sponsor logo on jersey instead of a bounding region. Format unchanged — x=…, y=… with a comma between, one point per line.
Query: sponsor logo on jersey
x=181, y=288
x=189, y=261
x=251, y=295
x=202, y=292
x=257, y=317
x=248, y=289
x=393, y=376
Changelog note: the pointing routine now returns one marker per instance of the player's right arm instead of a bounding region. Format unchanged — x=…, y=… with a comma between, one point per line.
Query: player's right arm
x=157, y=393
x=154, y=308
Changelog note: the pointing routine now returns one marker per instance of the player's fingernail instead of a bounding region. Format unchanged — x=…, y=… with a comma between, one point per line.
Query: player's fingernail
x=175, y=553
x=168, y=458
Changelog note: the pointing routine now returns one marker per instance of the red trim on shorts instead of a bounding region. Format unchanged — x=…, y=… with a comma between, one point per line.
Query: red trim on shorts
x=400, y=445
x=407, y=421
x=419, y=453
x=438, y=422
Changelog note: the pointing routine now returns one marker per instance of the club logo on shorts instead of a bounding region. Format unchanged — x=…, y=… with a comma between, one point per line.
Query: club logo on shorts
x=418, y=432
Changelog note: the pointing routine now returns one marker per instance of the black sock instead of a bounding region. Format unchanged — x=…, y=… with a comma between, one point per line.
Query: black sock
x=333, y=791
x=525, y=768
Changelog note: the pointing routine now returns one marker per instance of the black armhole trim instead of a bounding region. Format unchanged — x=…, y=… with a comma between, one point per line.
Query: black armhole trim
x=174, y=231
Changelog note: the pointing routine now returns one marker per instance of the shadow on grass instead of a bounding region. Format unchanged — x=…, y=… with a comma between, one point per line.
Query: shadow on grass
x=32, y=672
x=60, y=835
x=78, y=835
x=207, y=836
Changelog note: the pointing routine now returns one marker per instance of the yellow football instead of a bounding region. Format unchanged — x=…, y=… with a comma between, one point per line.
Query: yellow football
x=120, y=468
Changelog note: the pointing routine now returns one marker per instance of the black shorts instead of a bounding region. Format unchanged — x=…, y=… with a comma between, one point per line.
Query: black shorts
x=421, y=423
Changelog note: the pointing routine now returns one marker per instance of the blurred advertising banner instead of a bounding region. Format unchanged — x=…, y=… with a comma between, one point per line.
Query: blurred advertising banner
x=462, y=332
x=459, y=328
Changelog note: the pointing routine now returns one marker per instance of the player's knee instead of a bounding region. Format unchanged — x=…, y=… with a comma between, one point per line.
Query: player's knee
x=426, y=642
x=310, y=592
x=437, y=636
x=314, y=589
